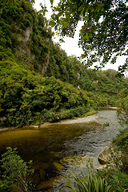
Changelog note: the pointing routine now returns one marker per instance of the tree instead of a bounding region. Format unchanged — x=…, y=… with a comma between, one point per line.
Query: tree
x=16, y=172
x=9, y=6
x=104, y=32
x=123, y=106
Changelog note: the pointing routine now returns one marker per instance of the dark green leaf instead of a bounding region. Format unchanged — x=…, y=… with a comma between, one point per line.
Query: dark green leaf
x=52, y=23
x=51, y=1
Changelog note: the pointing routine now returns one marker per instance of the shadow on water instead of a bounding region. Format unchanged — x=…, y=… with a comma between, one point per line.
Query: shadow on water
x=48, y=146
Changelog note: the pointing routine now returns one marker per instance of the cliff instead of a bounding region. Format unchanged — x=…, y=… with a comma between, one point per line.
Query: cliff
x=38, y=81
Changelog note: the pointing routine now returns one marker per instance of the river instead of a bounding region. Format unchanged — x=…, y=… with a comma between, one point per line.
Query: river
x=57, y=147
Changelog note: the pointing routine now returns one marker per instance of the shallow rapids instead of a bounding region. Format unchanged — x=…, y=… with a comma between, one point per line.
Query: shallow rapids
x=49, y=145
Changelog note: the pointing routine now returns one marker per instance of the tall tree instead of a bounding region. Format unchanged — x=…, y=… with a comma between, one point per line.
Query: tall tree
x=104, y=32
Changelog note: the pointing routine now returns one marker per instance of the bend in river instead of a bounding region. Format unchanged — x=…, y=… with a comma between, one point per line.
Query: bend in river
x=53, y=146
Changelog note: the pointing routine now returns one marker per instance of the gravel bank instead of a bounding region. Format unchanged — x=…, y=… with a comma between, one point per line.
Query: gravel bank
x=87, y=119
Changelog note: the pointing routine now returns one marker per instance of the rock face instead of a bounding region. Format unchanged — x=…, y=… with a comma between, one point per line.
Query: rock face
x=23, y=51
x=111, y=156
x=104, y=156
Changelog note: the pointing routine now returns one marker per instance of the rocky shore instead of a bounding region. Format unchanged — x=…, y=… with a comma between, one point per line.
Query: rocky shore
x=87, y=119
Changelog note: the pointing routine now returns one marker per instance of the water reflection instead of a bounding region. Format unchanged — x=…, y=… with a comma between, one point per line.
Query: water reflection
x=48, y=146
x=51, y=141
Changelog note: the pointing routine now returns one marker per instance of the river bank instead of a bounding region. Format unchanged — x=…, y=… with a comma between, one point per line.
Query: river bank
x=88, y=118
x=54, y=145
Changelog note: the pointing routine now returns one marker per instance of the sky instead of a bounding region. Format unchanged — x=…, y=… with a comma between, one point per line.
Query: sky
x=71, y=44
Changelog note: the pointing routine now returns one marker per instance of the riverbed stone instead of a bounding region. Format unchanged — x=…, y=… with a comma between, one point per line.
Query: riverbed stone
x=44, y=165
x=110, y=155
x=58, y=155
x=36, y=178
x=101, y=167
x=68, y=160
x=104, y=156
x=58, y=166
x=46, y=185
x=42, y=174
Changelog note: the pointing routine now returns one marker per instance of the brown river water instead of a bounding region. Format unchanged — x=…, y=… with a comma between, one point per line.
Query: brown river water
x=57, y=148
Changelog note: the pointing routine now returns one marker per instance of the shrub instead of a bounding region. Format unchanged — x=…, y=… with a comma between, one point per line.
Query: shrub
x=105, y=124
x=16, y=172
x=117, y=179
x=87, y=183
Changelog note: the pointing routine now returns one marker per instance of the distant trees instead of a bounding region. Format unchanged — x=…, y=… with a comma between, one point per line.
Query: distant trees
x=28, y=98
x=67, y=88
x=123, y=105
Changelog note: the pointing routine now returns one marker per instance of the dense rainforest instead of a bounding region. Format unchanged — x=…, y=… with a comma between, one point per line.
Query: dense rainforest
x=38, y=81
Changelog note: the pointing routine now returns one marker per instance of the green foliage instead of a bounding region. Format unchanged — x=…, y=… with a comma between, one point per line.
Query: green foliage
x=16, y=173
x=116, y=173
x=68, y=89
x=105, y=124
x=123, y=103
x=98, y=34
x=69, y=69
x=117, y=179
x=20, y=24
x=121, y=140
x=28, y=98
x=87, y=183
x=123, y=106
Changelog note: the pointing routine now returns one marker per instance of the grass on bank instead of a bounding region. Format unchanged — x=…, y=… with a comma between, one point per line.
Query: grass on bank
x=111, y=179
x=117, y=176
x=91, y=112
x=114, y=178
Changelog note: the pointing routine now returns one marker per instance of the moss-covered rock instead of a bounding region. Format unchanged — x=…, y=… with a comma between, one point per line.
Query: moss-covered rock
x=57, y=166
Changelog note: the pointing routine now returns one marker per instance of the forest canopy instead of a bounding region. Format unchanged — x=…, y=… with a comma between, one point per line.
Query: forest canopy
x=38, y=81
x=104, y=33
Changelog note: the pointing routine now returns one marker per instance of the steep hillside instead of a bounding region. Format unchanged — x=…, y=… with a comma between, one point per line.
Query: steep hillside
x=27, y=98
x=38, y=81
x=25, y=34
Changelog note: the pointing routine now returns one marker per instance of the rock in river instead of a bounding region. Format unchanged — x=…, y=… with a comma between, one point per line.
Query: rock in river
x=104, y=156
